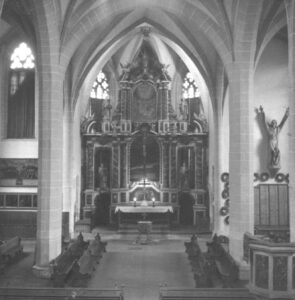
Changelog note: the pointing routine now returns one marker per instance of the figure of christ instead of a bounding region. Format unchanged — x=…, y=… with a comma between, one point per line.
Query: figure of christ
x=273, y=130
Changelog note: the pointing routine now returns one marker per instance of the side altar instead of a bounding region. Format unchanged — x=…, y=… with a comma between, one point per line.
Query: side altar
x=141, y=148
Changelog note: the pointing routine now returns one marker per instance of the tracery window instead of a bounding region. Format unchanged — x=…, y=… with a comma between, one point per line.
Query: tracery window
x=100, y=88
x=21, y=96
x=189, y=87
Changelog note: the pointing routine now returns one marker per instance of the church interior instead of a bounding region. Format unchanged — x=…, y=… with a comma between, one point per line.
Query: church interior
x=147, y=149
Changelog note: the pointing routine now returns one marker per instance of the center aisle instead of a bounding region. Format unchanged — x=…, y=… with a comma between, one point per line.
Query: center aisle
x=143, y=268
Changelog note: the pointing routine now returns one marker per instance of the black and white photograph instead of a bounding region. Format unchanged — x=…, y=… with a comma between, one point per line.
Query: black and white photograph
x=147, y=149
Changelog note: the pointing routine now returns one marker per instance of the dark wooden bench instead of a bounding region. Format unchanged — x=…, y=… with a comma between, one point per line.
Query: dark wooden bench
x=78, y=246
x=10, y=249
x=200, y=266
x=86, y=264
x=204, y=294
x=225, y=264
x=60, y=294
x=91, y=256
x=62, y=266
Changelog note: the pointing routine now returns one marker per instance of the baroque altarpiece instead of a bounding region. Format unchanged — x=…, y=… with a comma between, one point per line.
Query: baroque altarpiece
x=145, y=151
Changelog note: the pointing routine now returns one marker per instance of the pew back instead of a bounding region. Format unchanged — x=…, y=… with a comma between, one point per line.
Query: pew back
x=204, y=294
x=60, y=294
x=11, y=246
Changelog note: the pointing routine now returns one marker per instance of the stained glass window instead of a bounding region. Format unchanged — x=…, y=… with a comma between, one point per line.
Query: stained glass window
x=21, y=98
x=100, y=88
x=189, y=87
x=22, y=58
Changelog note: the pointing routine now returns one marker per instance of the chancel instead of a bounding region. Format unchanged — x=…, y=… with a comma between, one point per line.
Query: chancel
x=144, y=144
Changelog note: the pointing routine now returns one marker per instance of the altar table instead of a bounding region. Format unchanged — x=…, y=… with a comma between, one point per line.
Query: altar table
x=144, y=209
x=131, y=215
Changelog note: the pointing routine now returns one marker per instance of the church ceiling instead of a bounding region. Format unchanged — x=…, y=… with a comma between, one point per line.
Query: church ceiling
x=89, y=34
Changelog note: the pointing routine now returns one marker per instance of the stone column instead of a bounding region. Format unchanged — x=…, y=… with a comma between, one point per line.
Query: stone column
x=241, y=122
x=49, y=217
x=290, y=9
x=219, y=227
x=68, y=209
x=240, y=159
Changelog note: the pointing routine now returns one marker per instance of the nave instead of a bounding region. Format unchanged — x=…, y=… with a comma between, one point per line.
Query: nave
x=143, y=268
x=140, y=268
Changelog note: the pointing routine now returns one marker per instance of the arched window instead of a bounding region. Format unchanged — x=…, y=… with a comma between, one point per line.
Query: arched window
x=99, y=97
x=191, y=102
x=21, y=97
x=189, y=87
x=100, y=88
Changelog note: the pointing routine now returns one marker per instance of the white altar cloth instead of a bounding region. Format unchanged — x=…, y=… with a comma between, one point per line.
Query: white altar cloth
x=144, y=209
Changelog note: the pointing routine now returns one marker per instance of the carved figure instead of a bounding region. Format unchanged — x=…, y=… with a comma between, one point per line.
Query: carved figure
x=102, y=176
x=125, y=71
x=183, y=110
x=164, y=69
x=273, y=131
x=183, y=172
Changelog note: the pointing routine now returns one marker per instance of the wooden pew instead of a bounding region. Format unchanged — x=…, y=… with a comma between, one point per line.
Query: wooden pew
x=62, y=266
x=204, y=294
x=10, y=249
x=200, y=268
x=225, y=264
x=60, y=294
x=86, y=264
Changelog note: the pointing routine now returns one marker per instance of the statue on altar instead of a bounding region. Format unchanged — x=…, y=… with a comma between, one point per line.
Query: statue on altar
x=102, y=177
x=183, y=110
x=183, y=174
x=273, y=132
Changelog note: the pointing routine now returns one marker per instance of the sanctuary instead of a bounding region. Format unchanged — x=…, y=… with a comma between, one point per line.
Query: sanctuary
x=147, y=151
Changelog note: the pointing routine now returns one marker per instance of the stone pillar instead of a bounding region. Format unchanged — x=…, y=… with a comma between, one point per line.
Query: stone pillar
x=290, y=9
x=49, y=217
x=240, y=159
x=241, y=122
x=219, y=227
x=68, y=209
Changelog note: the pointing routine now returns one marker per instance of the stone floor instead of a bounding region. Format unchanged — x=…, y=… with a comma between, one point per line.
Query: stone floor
x=140, y=268
x=19, y=273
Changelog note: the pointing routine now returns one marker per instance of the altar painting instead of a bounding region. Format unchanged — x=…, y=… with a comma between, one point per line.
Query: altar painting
x=151, y=161
x=144, y=103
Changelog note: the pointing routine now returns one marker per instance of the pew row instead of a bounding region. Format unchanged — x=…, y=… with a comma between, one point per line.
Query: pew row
x=62, y=266
x=167, y=293
x=10, y=249
x=60, y=294
x=225, y=264
x=76, y=264
x=203, y=265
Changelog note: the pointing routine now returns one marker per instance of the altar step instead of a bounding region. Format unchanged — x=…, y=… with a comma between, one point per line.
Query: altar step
x=133, y=228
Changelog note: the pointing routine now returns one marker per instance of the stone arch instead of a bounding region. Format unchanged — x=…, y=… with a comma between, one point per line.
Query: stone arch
x=185, y=12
